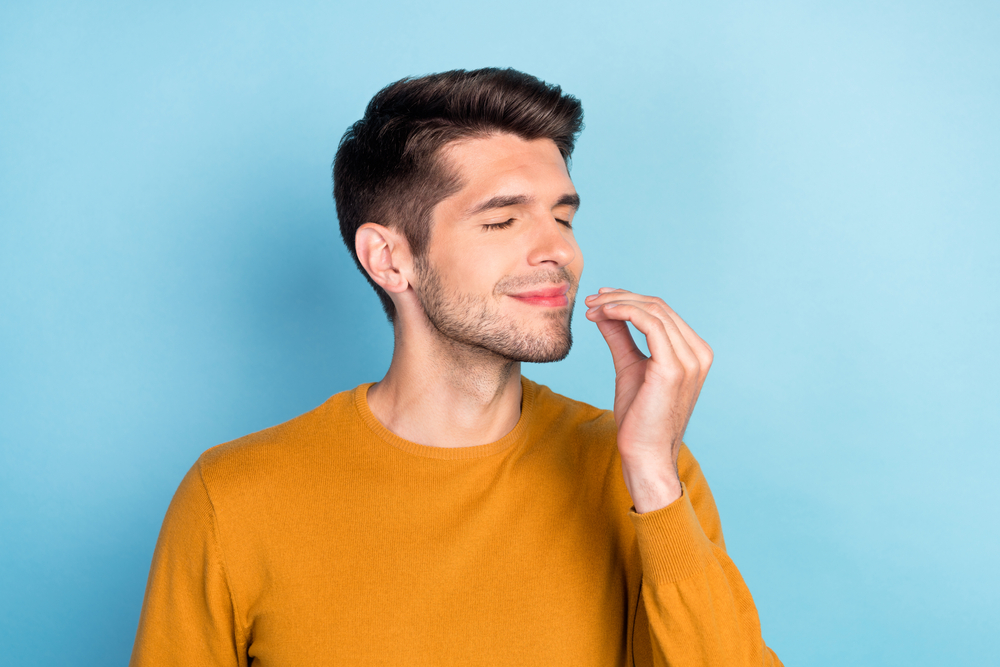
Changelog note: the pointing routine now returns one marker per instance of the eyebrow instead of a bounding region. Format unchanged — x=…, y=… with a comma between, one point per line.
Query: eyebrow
x=503, y=201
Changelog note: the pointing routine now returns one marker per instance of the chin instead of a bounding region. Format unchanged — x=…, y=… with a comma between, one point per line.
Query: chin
x=480, y=324
x=543, y=348
x=509, y=338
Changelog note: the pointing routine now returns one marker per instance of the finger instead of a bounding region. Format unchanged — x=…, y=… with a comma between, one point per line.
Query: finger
x=624, y=351
x=679, y=345
x=697, y=344
x=668, y=347
x=606, y=290
x=700, y=348
x=603, y=294
x=652, y=327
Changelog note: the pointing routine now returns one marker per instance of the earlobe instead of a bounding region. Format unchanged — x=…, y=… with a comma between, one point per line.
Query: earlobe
x=382, y=252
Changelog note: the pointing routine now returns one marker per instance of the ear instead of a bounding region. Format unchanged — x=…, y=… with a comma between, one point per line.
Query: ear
x=385, y=254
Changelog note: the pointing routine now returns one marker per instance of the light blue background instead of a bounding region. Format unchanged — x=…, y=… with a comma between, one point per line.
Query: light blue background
x=813, y=186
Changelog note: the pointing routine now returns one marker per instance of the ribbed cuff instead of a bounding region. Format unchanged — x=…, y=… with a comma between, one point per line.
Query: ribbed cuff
x=671, y=542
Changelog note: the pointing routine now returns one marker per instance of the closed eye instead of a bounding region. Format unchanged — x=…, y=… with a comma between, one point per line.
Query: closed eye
x=565, y=223
x=499, y=225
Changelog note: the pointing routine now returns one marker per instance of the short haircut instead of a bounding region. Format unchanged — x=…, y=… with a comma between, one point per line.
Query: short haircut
x=388, y=168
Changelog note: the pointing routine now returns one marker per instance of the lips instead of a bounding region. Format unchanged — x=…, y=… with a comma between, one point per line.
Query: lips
x=548, y=296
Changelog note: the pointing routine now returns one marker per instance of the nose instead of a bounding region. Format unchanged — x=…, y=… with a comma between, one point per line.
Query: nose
x=553, y=244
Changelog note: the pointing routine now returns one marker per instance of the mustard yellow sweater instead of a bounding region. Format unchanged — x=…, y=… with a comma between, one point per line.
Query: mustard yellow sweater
x=328, y=540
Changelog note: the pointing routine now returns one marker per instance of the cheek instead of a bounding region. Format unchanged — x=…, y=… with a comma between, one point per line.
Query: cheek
x=576, y=266
x=472, y=271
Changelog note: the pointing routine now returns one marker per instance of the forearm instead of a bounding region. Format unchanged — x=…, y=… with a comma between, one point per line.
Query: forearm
x=699, y=610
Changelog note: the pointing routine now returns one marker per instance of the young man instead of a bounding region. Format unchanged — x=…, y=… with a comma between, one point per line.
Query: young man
x=455, y=513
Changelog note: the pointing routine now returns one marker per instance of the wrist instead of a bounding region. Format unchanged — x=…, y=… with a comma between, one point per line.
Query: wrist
x=652, y=488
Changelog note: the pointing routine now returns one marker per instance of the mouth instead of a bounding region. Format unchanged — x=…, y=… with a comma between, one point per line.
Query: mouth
x=551, y=297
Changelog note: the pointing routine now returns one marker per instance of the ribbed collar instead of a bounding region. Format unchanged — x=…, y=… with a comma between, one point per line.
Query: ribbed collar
x=516, y=435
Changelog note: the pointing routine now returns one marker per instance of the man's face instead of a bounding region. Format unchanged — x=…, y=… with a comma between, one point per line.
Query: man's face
x=502, y=266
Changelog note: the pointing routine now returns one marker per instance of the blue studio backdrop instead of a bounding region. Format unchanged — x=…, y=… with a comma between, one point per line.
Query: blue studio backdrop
x=813, y=186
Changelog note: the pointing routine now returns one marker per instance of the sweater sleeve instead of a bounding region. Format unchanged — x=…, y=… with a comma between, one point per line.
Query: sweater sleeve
x=188, y=617
x=694, y=607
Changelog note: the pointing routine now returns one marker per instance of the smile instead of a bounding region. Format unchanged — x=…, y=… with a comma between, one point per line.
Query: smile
x=548, y=297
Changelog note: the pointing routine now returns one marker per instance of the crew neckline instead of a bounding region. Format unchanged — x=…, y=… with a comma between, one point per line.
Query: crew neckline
x=516, y=435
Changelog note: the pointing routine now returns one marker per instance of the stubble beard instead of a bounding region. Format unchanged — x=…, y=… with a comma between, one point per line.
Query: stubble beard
x=474, y=321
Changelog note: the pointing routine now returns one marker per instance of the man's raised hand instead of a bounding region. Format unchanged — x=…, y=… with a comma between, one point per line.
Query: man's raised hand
x=655, y=395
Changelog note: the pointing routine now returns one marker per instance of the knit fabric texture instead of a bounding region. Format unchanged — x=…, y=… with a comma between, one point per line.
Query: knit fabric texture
x=328, y=540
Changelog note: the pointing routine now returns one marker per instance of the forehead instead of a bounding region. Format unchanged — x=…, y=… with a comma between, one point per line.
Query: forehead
x=504, y=164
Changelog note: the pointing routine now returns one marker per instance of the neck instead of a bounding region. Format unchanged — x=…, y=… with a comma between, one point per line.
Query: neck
x=441, y=393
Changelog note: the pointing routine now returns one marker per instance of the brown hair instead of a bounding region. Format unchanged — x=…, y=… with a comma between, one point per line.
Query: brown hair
x=387, y=168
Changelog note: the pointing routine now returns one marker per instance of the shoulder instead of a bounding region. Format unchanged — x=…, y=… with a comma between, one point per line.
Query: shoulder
x=279, y=452
x=555, y=411
x=591, y=434
x=594, y=425
x=580, y=434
